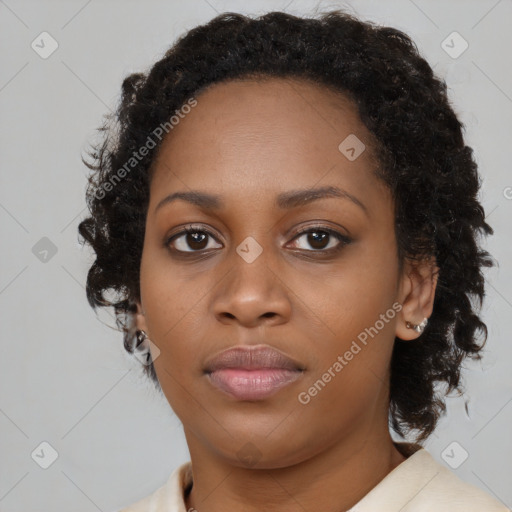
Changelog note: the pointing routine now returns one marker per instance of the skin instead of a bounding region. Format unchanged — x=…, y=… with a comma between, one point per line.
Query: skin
x=249, y=141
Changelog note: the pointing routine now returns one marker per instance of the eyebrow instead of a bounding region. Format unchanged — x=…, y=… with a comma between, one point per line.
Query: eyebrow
x=284, y=201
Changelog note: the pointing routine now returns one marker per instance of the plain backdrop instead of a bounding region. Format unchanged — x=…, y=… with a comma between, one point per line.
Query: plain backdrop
x=65, y=378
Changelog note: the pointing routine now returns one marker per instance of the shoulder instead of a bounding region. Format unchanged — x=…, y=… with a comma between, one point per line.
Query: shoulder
x=447, y=492
x=168, y=497
x=421, y=484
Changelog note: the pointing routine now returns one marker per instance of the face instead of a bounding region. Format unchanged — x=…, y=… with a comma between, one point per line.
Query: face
x=246, y=275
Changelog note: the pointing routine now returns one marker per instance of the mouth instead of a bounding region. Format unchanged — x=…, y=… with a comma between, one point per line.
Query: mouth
x=252, y=384
x=252, y=372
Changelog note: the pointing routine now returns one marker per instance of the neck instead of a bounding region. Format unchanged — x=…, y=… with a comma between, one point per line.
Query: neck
x=332, y=481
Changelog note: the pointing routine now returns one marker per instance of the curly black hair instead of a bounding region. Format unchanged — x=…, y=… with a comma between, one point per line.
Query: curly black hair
x=429, y=170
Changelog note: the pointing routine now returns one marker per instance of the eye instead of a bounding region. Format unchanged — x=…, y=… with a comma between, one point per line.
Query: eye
x=195, y=239
x=318, y=236
x=191, y=239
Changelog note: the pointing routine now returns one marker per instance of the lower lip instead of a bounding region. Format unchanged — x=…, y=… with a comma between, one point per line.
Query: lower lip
x=252, y=384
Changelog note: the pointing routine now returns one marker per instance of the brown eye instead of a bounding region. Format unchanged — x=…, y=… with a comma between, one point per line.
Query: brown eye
x=316, y=240
x=320, y=238
x=191, y=240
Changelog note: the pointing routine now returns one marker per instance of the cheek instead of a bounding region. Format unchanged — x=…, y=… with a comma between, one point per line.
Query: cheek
x=172, y=322
x=166, y=296
x=343, y=299
x=169, y=310
x=354, y=308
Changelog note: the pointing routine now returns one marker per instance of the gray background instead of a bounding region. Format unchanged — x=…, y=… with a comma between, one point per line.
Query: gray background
x=64, y=376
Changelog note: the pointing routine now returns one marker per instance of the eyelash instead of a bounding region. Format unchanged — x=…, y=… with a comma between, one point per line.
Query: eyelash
x=343, y=239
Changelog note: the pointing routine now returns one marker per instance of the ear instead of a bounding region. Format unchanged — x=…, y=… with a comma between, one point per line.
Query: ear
x=417, y=289
x=140, y=318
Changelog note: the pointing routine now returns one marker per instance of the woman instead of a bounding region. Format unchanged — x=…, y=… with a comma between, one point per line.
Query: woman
x=288, y=212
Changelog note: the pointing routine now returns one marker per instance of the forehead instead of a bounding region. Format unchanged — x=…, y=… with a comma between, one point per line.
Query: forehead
x=252, y=138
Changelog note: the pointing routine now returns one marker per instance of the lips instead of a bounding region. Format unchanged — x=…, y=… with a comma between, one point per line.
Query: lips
x=252, y=373
x=251, y=358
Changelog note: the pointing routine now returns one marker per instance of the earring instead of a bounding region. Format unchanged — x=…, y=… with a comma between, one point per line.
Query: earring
x=418, y=328
x=142, y=354
x=141, y=337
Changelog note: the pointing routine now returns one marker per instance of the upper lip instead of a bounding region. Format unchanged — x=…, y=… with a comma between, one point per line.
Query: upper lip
x=251, y=358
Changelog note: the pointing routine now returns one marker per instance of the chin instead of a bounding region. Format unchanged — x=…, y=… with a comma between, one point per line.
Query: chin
x=259, y=452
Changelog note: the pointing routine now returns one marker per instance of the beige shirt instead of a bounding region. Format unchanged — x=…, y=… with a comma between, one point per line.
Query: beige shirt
x=418, y=484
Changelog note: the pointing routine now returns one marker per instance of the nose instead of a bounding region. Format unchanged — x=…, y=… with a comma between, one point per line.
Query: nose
x=252, y=294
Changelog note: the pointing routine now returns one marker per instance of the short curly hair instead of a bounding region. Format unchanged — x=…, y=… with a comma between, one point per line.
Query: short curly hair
x=429, y=170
